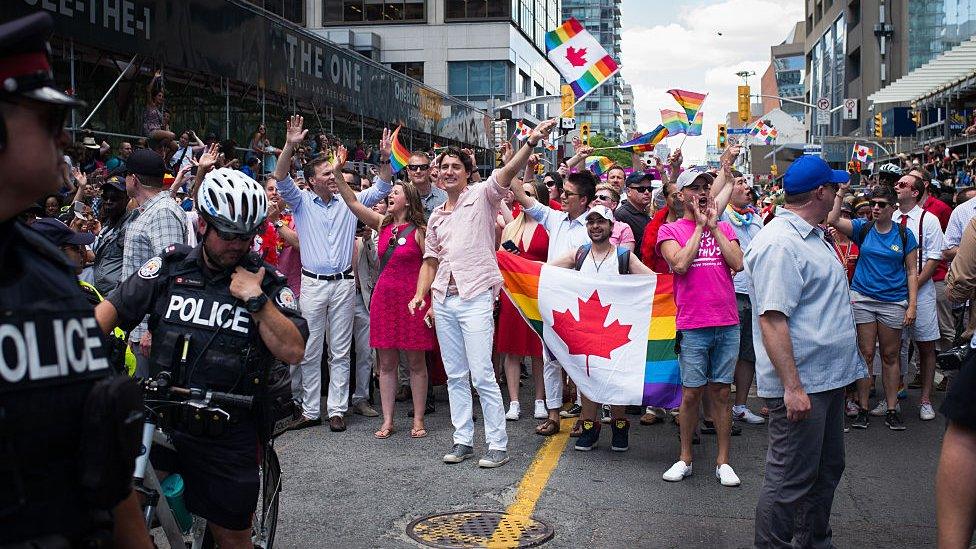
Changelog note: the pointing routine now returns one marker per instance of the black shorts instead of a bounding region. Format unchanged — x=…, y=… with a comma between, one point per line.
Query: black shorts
x=960, y=402
x=220, y=473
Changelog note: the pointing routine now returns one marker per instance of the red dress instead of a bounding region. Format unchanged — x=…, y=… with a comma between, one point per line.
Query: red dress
x=390, y=324
x=514, y=336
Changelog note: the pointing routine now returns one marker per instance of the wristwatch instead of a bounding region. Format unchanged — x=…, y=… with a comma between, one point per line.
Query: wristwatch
x=531, y=144
x=387, y=161
x=279, y=224
x=255, y=304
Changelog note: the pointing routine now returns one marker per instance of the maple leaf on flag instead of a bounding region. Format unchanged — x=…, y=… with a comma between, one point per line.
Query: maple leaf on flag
x=576, y=57
x=588, y=336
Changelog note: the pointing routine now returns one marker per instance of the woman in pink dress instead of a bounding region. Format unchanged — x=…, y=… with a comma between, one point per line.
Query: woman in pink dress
x=391, y=326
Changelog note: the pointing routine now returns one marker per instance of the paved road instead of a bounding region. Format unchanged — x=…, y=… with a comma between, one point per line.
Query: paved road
x=351, y=490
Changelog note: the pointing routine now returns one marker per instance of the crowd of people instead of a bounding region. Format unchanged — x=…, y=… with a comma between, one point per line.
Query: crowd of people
x=810, y=288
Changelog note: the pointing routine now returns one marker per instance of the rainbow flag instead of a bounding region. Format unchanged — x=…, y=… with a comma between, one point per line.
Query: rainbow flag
x=690, y=101
x=614, y=336
x=522, y=130
x=598, y=164
x=399, y=155
x=646, y=142
x=695, y=128
x=676, y=122
x=579, y=57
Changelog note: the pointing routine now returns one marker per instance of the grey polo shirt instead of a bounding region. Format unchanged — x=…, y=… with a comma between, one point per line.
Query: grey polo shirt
x=796, y=272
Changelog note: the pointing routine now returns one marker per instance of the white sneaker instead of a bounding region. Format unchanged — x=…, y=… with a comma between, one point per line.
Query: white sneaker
x=677, y=472
x=742, y=413
x=726, y=475
x=880, y=409
x=851, y=408
x=926, y=412
x=514, y=411
x=540, y=410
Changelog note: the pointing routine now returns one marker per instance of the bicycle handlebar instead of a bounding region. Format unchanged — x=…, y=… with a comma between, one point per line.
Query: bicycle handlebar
x=161, y=384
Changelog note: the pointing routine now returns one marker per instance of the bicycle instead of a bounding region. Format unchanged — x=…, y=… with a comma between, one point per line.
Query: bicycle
x=160, y=398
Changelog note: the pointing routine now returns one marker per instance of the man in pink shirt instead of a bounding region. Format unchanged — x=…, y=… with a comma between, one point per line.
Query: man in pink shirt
x=461, y=272
x=703, y=253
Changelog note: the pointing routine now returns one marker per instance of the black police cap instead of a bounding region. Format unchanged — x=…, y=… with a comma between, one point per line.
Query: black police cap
x=25, y=67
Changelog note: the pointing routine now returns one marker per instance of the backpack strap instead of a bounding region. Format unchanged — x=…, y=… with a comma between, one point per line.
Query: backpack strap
x=623, y=260
x=392, y=248
x=581, y=254
x=863, y=233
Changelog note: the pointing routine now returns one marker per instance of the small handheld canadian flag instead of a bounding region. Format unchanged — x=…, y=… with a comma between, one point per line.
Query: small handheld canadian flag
x=862, y=154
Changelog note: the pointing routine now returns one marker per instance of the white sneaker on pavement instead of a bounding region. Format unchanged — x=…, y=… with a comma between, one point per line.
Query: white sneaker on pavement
x=726, y=475
x=514, y=411
x=926, y=412
x=742, y=413
x=677, y=472
x=880, y=409
x=851, y=408
x=540, y=410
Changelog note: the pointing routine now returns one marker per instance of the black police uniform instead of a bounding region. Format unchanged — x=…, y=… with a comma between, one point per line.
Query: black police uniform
x=51, y=355
x=207, y=339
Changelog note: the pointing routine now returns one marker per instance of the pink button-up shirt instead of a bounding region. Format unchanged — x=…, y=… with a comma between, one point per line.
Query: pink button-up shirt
x=463, y=241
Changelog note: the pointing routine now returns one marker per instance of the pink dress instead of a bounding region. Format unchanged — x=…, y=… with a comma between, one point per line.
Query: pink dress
x=390, y=324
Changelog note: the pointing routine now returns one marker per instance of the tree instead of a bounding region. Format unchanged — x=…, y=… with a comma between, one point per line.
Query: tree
x=619, y=156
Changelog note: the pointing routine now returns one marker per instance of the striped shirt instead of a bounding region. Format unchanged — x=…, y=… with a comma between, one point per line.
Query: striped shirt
x=326, y=229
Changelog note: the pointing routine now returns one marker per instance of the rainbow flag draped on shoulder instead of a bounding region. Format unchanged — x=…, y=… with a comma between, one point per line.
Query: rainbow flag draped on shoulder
x=613, y=336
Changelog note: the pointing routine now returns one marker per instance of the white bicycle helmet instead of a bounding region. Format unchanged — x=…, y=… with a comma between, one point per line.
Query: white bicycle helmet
x=890, y=168
x=232, y=202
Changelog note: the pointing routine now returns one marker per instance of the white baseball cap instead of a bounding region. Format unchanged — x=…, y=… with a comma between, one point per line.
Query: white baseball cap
x=602, y=211
x=689, y=176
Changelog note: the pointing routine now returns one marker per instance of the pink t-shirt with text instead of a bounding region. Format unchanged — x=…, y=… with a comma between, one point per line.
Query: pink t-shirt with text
x=704, y=295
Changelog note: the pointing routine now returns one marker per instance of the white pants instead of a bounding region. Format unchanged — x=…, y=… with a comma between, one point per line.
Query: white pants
x=364, y=353
x=327, y=306
x=552, y=379
x=464, y=331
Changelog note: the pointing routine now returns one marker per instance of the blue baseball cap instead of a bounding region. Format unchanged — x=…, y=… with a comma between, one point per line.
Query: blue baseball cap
x=809, y=172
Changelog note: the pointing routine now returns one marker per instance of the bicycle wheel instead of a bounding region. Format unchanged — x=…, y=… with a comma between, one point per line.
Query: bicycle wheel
x=267, y=522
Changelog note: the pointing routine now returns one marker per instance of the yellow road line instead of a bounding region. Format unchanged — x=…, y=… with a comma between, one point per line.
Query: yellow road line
x=534, y=481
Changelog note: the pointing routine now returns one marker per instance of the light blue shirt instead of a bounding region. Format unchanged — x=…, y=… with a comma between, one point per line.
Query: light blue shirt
x=746, y=232
x=565, y=234
x=326, y=229
x=796, y=272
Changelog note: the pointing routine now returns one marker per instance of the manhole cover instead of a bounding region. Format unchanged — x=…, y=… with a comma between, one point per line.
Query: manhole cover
x=479, y=529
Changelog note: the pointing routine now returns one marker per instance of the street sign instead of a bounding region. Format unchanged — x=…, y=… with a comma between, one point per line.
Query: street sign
x=850, y=109
x=569, y=98
x=823, y=111
x=567, y=123
x=813, y=150
x=739, y=131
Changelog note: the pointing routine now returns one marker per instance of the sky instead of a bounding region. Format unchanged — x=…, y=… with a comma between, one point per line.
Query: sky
x=676, y=44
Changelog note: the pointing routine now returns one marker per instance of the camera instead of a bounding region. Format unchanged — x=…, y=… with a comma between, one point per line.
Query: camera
x=953, y=358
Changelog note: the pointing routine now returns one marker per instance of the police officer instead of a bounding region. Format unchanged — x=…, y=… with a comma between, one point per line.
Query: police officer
x=52, y=357
x=219, y=317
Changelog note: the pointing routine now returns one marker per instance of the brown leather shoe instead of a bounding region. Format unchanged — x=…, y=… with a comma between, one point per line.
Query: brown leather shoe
x=650, y=418
x=577, y=429
x=547, y=428
x=337, y=424
x=305, y=423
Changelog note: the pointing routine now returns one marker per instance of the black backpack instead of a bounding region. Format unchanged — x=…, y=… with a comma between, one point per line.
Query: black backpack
x=623, y=258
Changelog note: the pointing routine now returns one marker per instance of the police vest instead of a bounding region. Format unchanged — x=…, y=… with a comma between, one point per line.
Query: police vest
x=201, y=332
x=51, y=354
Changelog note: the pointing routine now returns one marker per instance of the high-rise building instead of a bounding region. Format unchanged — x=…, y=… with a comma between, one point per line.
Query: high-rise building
x=785, y=75
x=603, y=108
x=938, y=26
x=628, y=120
x=478, y=51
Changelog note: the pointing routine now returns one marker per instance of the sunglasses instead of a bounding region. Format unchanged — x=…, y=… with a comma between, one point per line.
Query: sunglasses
x=550, y=184
x=642, y=189
x=603, y=197
x=530, y=194
x=878, y=203
x=568, y=194
x=903, y=184
x=230, y=237
x=418, y=167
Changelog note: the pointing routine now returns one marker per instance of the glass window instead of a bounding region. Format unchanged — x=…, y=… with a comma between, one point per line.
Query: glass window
x=292, y=10
x=371, y=11
x=479, y=80
x=413, y=69
x=476, y=9
x=457, y=79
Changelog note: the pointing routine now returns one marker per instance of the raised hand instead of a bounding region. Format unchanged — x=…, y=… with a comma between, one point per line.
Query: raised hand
x=80, y=177
x=386, y=144
x=294, y=134
x=507, y=152
x=341, y=155
x=541, y=131
x=209, y=158
x=729, y=155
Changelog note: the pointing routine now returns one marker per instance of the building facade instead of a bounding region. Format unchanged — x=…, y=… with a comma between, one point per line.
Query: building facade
x=628, y=118
x=938, y=26
x=785, y=75
x=603, y=109
x=486, y=53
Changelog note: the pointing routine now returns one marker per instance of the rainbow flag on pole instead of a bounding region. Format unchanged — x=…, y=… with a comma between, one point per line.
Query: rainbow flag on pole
x=614, y=336
x=690, y=101
x=646, y=142
x=399, y=154
x=580, y=59
x=676, y=122
x=695, y=128
x=598, y=164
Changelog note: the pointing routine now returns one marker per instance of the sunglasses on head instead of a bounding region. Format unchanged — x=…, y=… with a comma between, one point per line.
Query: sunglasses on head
x=878, y=203
x=418, y=167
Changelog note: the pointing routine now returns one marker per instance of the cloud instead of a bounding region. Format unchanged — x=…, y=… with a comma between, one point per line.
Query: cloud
x=688, y=53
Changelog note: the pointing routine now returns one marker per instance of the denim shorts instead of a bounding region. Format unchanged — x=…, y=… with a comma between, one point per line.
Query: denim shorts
x=708, y=355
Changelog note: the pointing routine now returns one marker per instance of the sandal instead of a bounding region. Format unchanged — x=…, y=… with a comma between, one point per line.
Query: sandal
x=764, y=411
x=547, y=428
x=577, y=429
x=383, y=433
x=418, y=433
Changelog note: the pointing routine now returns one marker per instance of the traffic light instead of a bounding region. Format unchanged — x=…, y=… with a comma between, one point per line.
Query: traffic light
x=585, y=133
x=568, y=100
x=722, y=137
x=877, y=125
x=774, y=170
x=917, y=118
x=744, y=103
